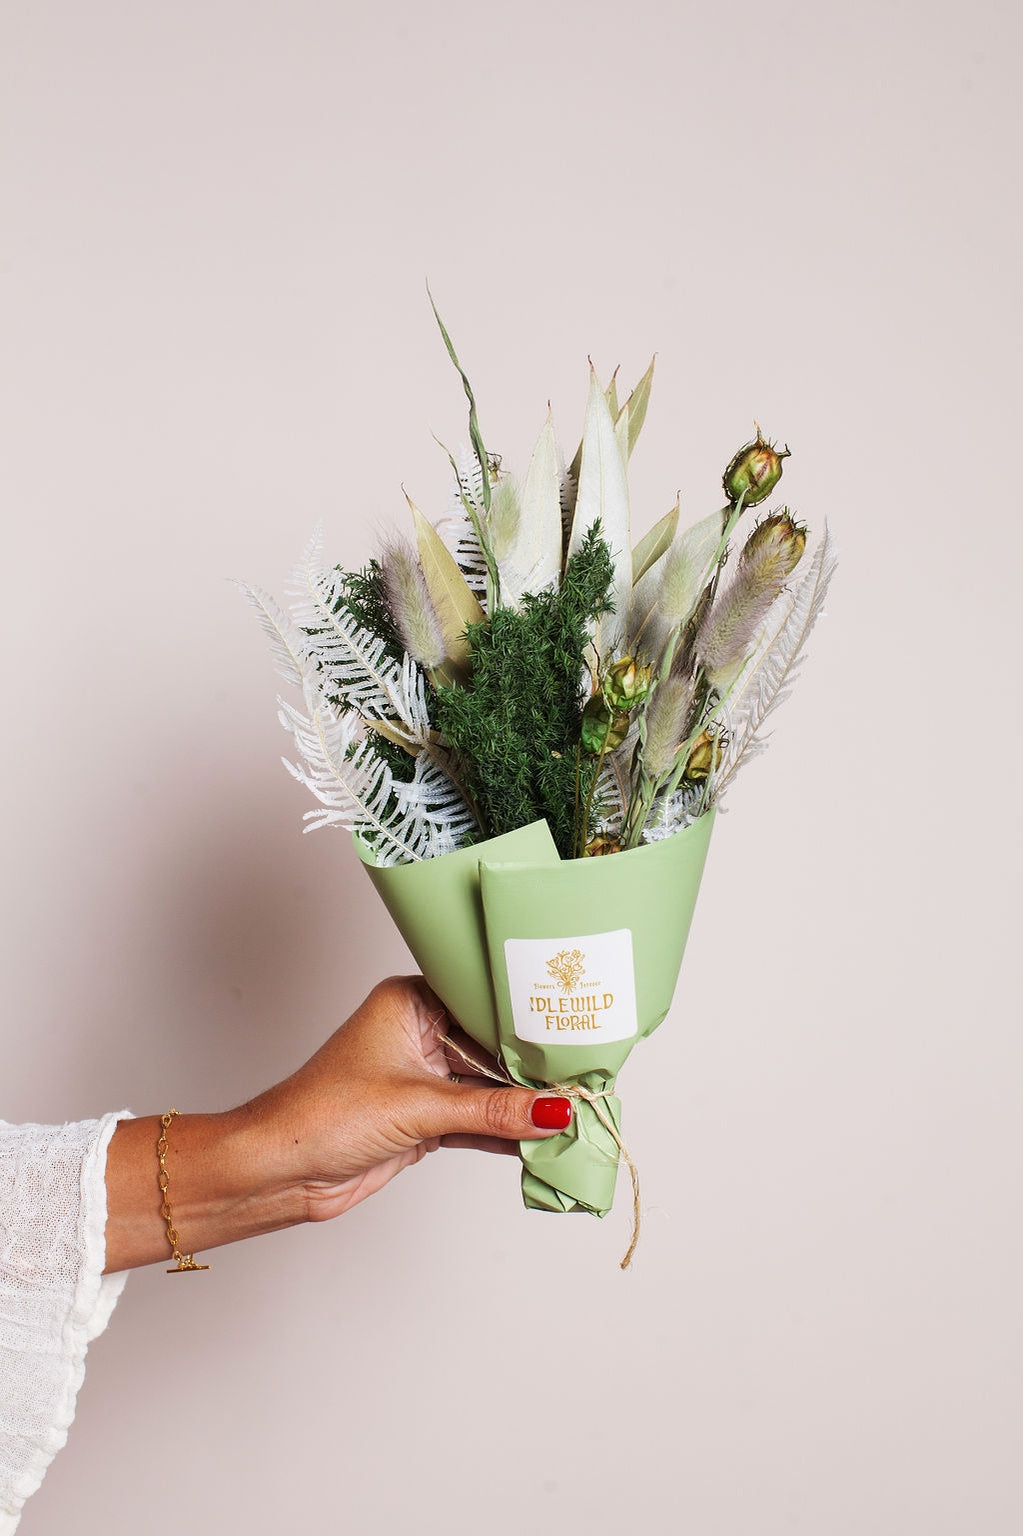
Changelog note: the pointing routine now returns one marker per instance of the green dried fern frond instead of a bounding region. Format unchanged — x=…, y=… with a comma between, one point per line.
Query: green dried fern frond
x=516, y=730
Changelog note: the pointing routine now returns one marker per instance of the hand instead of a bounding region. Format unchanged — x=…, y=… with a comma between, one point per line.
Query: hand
x=377, y=1097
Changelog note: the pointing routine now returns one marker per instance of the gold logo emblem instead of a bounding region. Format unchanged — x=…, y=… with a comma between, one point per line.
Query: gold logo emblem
x=567, y=967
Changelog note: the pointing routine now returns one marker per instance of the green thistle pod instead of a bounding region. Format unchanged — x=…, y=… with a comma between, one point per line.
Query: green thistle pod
x=603, y=728
x=596, y=723
x=626, y=685
x=755, y=470
x=775, y=547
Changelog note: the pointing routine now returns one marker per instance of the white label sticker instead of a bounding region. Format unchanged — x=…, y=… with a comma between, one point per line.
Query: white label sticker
x=577, y=991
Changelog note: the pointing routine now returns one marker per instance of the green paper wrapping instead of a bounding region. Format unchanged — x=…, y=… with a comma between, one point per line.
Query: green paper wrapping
x=438, y=910
x=557, y=967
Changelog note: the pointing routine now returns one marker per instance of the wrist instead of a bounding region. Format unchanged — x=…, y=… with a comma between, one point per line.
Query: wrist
x=228, y=1181
x=225, y=1182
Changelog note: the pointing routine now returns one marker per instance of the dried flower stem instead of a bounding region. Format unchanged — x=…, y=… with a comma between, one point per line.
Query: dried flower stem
x=730, y=516
x=584, y=827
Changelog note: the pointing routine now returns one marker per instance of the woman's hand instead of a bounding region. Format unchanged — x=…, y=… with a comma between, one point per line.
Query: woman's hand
x=378, y=1096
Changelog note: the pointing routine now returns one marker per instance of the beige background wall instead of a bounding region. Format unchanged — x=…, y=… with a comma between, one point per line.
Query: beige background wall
x=219, y=220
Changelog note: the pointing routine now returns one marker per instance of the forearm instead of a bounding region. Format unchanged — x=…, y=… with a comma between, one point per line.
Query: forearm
x=224, y=1184
x=374, y=1099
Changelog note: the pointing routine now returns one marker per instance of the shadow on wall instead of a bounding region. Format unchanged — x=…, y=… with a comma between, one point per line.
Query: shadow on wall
x=240, y=945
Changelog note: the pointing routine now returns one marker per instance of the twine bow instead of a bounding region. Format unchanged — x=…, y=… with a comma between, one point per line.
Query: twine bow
x=571, y=1091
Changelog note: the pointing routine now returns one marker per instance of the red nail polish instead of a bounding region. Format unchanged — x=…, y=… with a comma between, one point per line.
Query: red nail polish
x=551, y=1114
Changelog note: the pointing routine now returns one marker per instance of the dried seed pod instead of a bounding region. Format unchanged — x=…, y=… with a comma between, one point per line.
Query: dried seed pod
x=626, y=685
x=755, y=470
x=706, y=754
x=775, y=547
x=597, y=847
x=602, y=728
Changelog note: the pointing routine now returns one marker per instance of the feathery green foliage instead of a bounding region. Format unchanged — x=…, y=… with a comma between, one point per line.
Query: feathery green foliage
x=362, y=595
x=516, y=729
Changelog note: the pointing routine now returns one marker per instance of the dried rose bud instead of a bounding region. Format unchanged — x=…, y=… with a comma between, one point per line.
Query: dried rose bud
x=626, y=685
x=618, y=732
x=598, y=846
x=603, y=728
x=755, y=470
x=707, y=753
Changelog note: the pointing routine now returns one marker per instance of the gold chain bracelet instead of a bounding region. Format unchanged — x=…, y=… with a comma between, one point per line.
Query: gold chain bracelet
x=185, y=1261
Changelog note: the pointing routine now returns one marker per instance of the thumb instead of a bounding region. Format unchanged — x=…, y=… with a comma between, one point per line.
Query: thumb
x=512, y=1114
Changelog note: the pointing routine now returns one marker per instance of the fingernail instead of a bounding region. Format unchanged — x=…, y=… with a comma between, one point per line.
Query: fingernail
x=551, y=1114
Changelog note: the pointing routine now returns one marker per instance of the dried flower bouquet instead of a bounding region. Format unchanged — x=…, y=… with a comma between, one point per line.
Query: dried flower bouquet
x=528, y=723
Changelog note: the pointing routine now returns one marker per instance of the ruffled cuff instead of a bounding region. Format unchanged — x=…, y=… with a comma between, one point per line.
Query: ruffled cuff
x=54, y=1297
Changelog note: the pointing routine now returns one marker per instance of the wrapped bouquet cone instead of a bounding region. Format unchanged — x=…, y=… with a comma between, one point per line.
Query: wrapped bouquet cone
x=437, y=908
x=557, y=967
x=527, y=720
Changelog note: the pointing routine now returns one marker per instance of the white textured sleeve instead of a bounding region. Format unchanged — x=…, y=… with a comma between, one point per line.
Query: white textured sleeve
x=54, y=1297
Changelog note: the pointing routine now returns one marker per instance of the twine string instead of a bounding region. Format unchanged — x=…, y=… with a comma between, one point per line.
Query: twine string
x=571, y=1091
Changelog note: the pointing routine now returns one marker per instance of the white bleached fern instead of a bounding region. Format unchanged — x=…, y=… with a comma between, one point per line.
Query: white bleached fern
x=352, y=664
x=348, y=680
x=292, y=654
x=675, y=812
x=457, y=530
x=769, y=679
x=402, y=822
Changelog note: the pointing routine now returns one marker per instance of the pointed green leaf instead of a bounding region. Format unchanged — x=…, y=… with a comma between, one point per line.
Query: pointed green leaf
x=505, y=518
x=666, y=596
x=474, y=426
x=653, y=544
x=531, y=561
x=611, y=395
x=452, y=597
x=622, y=433
x=637, y=403
x=604, y=495
x=575, y=466
x=393, y=733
